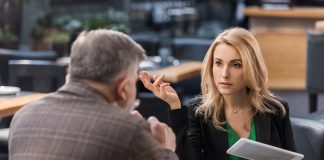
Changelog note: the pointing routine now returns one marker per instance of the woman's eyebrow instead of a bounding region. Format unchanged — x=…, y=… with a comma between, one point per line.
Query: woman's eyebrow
x=233, y=60
x=236, y=60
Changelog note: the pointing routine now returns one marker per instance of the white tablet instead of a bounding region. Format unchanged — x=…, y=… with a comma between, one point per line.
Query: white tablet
x=259, y=151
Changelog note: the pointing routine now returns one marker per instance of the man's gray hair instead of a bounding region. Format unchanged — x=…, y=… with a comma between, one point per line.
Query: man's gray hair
x=102, y=55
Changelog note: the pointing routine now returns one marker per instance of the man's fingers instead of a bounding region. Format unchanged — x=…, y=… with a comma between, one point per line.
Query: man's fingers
x=152, y=120
x=157, y=126
x=162, y=133
x=136, y=113
x=157, y=129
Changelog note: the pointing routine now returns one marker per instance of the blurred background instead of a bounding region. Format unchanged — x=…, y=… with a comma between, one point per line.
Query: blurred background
x=36, y=35
x=45, y=30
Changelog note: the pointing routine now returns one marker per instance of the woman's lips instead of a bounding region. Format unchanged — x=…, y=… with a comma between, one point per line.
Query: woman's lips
x=225, y=84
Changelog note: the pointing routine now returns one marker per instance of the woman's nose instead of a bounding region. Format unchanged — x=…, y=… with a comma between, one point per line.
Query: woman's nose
x=225, y=72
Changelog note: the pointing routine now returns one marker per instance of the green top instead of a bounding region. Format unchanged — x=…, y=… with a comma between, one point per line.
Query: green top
x=233, y=138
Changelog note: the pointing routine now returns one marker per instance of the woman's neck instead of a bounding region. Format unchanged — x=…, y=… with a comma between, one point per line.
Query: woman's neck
x=237, y=101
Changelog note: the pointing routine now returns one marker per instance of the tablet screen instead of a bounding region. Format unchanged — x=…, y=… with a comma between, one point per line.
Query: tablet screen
x=259, y=151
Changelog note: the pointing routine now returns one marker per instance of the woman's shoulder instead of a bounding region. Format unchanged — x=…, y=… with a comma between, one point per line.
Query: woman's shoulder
x=193, y=104
x=273, y=105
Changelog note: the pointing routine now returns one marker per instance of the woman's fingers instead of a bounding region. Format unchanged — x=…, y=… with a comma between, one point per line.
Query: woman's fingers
x=157, y=87
x=155, y=77
x=162, y=89
x=144, y=77
x=158, y=81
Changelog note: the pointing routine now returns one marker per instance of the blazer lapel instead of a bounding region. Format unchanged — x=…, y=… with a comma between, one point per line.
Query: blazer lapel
x=262, y=128
x=223, y=142
x=222, y=139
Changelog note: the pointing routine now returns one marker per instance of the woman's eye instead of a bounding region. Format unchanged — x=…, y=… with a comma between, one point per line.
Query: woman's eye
x=237, y=65
x=218, y=63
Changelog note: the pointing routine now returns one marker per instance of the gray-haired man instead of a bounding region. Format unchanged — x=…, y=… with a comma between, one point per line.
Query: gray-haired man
x=88, y=118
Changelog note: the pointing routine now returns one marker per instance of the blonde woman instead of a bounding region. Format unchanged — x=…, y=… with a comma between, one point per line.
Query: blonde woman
x=235, y=101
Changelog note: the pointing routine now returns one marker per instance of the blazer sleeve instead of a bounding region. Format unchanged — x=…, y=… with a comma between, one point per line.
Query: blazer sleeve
x=186, y=126
x=195, y=132
x=287, y=133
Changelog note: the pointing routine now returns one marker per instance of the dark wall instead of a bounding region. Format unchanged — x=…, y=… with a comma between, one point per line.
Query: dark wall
x=308, y=2
x=73, y=2
x=10, y=16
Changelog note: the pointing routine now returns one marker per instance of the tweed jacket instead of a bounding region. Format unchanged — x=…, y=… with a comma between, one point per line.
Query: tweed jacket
x=201, y=140
x=76, y=123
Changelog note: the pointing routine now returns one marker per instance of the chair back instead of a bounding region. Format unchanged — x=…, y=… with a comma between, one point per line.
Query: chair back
x=8, y=54
x=309, y=138
x=152, y=106
x=149, y=43
x=224, y=12
x=36, y=75
x=190, y=49
x=317, y=116
x=315, y=65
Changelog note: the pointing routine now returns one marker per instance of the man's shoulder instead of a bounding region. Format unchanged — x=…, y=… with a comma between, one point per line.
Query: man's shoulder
x=56, y=105
x=128, y=121
x=32, y=106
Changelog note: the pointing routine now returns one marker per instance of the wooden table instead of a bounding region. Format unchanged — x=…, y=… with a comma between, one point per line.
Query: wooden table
x=8, y=106
x=282, y=35
x=174, y=74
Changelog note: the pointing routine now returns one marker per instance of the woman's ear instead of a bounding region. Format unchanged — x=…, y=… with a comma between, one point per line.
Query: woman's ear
x=122, y=88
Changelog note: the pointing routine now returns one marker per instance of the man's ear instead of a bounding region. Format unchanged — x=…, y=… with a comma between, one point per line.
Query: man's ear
x=122, y=88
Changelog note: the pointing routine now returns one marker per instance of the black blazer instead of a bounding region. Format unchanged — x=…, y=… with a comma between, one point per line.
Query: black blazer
x=198, y=139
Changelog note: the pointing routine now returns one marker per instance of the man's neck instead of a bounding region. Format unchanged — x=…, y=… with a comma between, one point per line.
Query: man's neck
x=105, y=90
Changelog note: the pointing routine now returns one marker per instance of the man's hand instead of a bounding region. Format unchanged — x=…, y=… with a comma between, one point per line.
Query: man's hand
x=136, y=113
x=162, y=133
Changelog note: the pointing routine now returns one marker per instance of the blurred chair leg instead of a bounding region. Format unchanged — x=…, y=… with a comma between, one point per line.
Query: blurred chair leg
x=312, y=102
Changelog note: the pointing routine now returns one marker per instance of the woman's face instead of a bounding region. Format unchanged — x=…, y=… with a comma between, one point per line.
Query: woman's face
x=228, y=70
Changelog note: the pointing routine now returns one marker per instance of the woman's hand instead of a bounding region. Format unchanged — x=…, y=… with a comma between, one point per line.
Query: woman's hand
x=161, y=89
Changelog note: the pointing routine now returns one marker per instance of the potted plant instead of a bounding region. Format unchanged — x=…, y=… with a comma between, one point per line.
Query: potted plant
x=41, y=30
x=57, y=32
x=8, y=40
x=59, y=41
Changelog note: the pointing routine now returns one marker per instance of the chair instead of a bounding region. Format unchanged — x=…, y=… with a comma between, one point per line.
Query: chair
x=317, y=116
x=216, y=16
x=152, y=106
x=309, y=138
x=223, y=12
x=36, y=75
x=150, y=43
x=315, y=65
x=31, y=75
x=7, y=54
x=190, y=49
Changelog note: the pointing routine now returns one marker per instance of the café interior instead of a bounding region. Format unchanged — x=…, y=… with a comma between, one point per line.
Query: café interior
x=36, y=36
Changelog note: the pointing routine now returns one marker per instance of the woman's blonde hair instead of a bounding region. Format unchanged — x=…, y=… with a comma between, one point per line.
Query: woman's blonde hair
x=255, y=76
